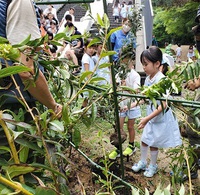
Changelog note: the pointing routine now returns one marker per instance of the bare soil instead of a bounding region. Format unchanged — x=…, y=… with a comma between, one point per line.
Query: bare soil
x=82, y=178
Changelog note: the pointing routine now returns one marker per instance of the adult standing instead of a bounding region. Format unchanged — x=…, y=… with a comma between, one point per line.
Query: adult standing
x=17, y=24
x=194, y=137
x=118, y=39
x=196, y=30
x=154, y=41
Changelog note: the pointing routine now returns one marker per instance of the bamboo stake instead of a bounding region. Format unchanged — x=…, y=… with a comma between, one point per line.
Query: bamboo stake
x=14, y=186
x=11, y=143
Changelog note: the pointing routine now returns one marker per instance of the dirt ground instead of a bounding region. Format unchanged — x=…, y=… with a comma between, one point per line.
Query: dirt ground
x=83, y=181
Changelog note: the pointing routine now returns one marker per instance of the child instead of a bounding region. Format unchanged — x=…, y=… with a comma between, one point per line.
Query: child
x=190, y=54
x=103, y=72
x=116, y=10
x=178, y=53
x=87, y=63
x=124, y=11
x=126, y=110
x=161, y=130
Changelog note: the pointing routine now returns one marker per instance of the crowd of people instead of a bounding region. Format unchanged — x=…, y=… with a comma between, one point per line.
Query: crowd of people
x=161, y=130
x=122, y=10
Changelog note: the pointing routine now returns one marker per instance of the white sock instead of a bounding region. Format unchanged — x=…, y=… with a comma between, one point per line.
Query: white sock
x=144, y=153
x=154, y=156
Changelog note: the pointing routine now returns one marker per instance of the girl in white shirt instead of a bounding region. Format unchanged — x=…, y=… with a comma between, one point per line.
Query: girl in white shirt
x=87, y=64
x=160, y=127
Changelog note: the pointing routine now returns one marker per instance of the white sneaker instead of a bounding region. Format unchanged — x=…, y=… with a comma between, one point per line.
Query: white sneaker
x=151, y=170
x=139, y=166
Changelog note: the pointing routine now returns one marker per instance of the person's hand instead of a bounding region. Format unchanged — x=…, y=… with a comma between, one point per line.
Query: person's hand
x=142, y=123
x=123, y=83
x=192, y=84
x=124, y=109
x=58, y=110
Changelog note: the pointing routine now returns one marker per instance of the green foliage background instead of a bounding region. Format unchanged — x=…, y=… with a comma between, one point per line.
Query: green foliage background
x=173, y=23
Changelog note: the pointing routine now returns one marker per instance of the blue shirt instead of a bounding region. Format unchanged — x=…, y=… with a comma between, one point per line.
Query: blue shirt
x=120, y=39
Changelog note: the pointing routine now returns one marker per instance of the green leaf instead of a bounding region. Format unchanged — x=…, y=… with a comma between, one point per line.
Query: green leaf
x=112, y=31
x=84, y=75
x=167, y=190
x=4, y=190
x=30, y=145
x=99, y=20
x=56, y=125
x=65, y=114
x=125, y=88
x=37, y=165
x=16, y=170
x=74, y=37
x=174, y=87
x=65, y=74
x=185, y=74
x=44, y=117
x=23, y=154
x=11, y=70
x=154, y=102
x=106, y=21
x=16, y=134
x=3, y=40
x=182, y=190
x=158, y=191
x=134, y=191
x=59, y=36
x=56, y=43
x=86, y=121
x=196, y=70
x=28, y=188
x=105, y=65
x=197, y=122
x=96, y=79
x=5, y=149
x=25, y=41
x=76, y=137
x=44, y=191
x=94, y=41
x=196, y=112
x=190, y=72
x=107, y=53
x=13, y=54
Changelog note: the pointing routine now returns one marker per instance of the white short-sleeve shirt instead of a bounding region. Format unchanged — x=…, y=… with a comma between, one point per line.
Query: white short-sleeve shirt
x=21, y=21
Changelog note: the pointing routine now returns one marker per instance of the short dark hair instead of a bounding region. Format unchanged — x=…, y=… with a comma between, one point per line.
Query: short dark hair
x=69, y=24
x=53, y=22
x=71, y=8
x=68, y=17
x=153, y=54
